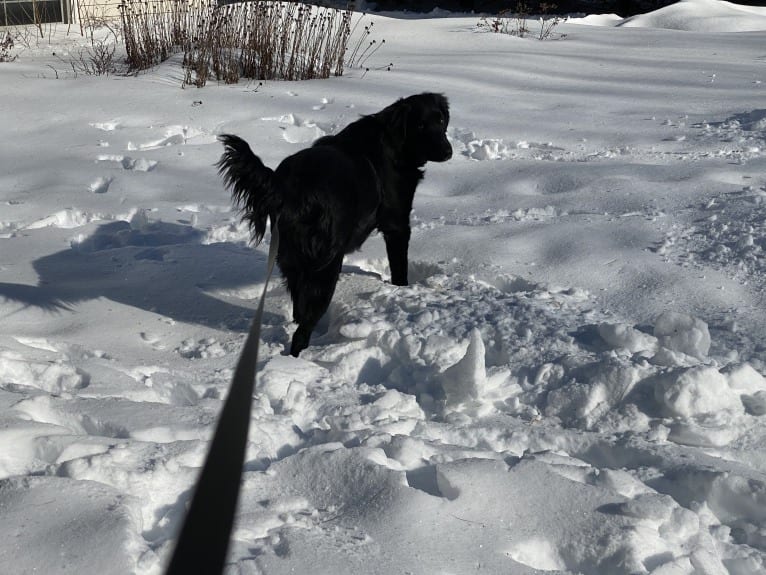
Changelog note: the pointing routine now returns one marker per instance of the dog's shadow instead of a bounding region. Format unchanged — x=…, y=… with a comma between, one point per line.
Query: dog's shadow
x=155, y=266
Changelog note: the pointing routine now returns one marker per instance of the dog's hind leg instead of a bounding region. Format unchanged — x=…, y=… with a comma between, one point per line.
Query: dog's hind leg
x=312, y=292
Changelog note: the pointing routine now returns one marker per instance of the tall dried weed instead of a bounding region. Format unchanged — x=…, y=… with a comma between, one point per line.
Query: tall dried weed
x=516, y=22
x=260, y=40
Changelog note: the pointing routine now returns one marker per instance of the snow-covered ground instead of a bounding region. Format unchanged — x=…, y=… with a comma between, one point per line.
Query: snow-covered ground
x=573, y=382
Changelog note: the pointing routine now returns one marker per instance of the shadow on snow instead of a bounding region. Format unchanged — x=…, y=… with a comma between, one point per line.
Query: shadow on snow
x=159, y=267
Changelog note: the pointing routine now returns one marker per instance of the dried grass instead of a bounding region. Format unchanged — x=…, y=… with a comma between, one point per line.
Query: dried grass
x=260, y=40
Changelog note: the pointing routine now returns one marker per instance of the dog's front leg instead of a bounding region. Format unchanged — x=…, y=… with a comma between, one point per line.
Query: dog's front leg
x=396, y=247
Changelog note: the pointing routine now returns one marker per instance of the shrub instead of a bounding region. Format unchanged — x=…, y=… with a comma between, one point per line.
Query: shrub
x=260, y=40
x=6, y=48
x=153, y=30
x=98, y=58
x=514, y=22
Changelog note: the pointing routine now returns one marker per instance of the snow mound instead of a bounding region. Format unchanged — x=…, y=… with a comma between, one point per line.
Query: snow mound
x=697, y=391
x=702, y=16
x=597, y=20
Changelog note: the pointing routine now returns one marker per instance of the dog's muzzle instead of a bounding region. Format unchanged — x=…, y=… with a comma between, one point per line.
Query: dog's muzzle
x=446, y=153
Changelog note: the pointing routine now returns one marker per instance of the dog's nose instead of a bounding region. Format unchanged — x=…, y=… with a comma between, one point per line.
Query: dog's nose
x=447, y=152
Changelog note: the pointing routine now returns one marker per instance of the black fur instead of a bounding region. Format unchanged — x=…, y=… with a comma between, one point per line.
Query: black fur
x=328, y=198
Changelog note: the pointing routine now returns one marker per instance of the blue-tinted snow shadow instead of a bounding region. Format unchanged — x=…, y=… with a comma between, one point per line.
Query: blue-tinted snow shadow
x=753, y=121
x=155, y=266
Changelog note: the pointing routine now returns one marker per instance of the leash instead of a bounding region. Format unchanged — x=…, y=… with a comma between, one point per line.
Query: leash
x=204, y=539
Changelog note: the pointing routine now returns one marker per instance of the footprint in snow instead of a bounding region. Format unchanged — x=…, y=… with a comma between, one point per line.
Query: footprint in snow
x=153, y=340
x=100, y=185
x=537, y=553
x=296, y=130
x=108, y=126
x=37, y=343
x=128, y=163
x=323, y=104
x=477, y=148
x=176, y=135
x=203, y=349
x=55, y=375
x=169, y=140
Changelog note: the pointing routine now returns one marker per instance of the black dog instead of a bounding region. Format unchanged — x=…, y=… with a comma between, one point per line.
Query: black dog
x=327, y=199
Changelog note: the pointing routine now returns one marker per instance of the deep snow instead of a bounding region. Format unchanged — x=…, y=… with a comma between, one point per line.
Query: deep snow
x=573, y=382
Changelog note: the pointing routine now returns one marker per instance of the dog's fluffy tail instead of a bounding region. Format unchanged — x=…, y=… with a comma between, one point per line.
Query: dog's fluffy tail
x=250, y=182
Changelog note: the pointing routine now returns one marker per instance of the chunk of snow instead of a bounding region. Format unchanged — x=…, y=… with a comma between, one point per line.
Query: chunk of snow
x=621, y=336
x=466, y=379
x=696, y=391
x=683, y=333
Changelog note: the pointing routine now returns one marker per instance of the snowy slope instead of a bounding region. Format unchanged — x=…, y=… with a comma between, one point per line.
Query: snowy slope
x=573, y=382
x=703, y=16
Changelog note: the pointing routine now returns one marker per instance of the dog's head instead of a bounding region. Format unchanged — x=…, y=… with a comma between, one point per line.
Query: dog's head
x=417, y=128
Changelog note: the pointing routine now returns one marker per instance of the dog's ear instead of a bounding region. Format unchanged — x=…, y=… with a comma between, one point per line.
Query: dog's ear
x=397, y=122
